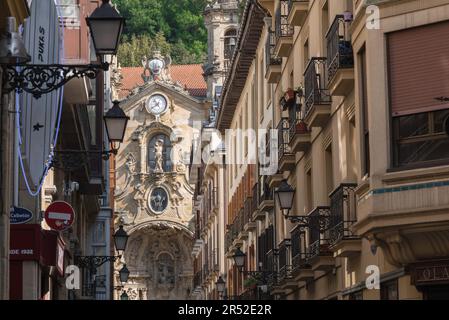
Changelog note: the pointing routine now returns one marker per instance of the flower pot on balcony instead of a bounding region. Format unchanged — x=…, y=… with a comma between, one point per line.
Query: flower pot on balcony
x=290, y=95
x=301, y=127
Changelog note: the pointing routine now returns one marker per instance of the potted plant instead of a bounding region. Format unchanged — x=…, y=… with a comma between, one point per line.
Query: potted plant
x=250, y=283
x=290, y=95
x=301, y=127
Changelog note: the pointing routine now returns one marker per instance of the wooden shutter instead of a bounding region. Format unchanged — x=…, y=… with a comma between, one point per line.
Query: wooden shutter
x=418, y=68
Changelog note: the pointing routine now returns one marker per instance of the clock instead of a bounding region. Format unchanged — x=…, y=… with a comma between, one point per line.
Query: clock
x=157, y=104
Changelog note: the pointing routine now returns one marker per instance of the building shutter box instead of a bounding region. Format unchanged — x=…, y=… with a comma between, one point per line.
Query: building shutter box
x=418, y=62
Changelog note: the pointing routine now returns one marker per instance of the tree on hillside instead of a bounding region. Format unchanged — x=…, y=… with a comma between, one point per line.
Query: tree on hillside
x=176, y=26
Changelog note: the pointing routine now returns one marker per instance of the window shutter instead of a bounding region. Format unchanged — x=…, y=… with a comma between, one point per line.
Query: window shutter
x=419, y=69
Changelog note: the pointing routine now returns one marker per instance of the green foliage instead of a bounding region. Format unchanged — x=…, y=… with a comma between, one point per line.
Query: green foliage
x=175, y=27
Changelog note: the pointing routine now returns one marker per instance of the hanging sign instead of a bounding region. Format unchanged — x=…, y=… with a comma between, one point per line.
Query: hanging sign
x=43, y=41
x=59, y=215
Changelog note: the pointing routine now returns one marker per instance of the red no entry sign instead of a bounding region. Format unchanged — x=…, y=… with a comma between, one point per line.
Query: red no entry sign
x=59, y=215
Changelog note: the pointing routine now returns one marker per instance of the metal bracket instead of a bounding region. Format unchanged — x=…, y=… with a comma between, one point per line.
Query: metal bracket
x=93, y=262
x=42, y=79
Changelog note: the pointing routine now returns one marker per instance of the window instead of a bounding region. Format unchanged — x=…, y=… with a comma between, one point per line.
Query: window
x=329, y=170
x=389, y=290
x=418, y=108
x=159, y=154
x=309, y=190
x=420, y=138
x=324, y=25
x=364, y=113
x=306, y=54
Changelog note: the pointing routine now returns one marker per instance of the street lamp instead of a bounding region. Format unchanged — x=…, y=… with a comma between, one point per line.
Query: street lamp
x=105, y=25
x=124, y=296
x=239, y=258
x=94, y=262
x=220, y=284
x=120, y=239
x=115, y=122
x=284, y=196
x=124, y=274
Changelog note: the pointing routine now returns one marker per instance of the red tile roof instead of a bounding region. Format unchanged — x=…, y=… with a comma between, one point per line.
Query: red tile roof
x=189, y=75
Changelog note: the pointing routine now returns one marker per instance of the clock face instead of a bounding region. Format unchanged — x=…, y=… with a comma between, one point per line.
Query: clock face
x=157, y=104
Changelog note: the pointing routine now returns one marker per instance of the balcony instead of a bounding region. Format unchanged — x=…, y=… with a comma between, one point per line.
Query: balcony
x=249, y=224
x=272, y=62
x=257, y=215
x=266, y=200
x=285, y=277
x=340, y=66
x=286, y=156
x=272, y=277
x=297, y=12
x=229, y=239
x=320, y=257
x=284, y=32
x=343, y=242
x=299, y=134
x=301, y=270
x=317, y=98
x=240, y=222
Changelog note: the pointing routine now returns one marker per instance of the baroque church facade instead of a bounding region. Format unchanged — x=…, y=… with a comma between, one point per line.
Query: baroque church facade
x=153, y=197
x=168, y=105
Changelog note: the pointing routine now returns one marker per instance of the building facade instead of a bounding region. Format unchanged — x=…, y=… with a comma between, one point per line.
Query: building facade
x=38, y=257
x=334, y=91
x=153, y=196
x=20, y=11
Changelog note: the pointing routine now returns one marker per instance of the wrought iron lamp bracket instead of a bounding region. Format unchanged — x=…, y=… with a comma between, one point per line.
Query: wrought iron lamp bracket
x=42, y=79
x=322, y=225
x=94, y=262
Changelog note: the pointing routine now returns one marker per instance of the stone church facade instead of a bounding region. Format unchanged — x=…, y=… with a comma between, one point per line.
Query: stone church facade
x=153, y=197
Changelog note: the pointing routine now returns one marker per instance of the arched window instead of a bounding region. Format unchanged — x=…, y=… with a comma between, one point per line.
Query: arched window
x=159, y=154
x=230, y=42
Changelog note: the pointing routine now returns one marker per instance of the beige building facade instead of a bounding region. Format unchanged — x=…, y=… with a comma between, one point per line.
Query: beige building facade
x=357, y=93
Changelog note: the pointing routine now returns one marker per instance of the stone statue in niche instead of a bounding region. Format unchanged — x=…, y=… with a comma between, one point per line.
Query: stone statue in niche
x=159, y=156
x=165, y=271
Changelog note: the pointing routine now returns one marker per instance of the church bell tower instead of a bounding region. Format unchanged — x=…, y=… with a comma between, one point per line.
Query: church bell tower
x=222, y=22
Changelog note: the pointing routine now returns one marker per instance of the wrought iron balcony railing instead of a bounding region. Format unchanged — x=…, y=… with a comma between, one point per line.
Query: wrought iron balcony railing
x=271, y=261
x=285, y=267
x=270, y=57
x=315, y=83
x=255, y=198
x=282, y=28
x=298, y=249
x=284, y=138
x=296, y=123
x=340, y=54
x=247, y=213
x=318, y=237
x=343, y=213
x=265, y=192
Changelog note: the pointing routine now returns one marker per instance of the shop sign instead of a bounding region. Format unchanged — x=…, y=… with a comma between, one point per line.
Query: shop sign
x=19, y=215
x=429, y=274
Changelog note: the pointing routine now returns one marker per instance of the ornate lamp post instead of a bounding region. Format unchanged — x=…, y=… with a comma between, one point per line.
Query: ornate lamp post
x=115, y=122
x=94, y=262
x=221, y=286
x=105, y=25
